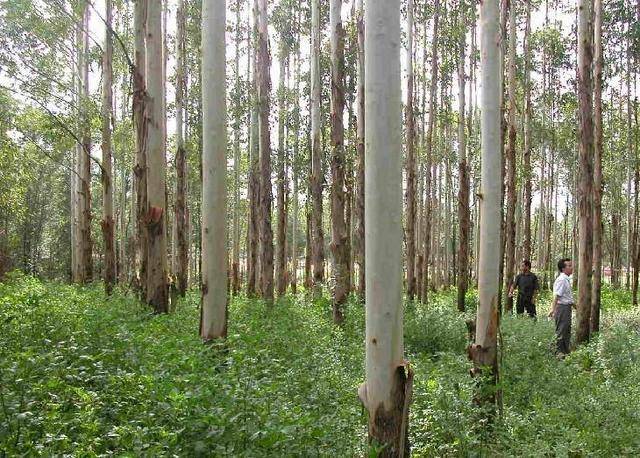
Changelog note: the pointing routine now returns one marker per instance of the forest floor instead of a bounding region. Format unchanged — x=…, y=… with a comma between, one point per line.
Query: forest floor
x=87, y=375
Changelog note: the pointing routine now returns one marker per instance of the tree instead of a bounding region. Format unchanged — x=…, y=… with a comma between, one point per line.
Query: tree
x=180, y=264
x=359, y=246
x=140, y=121
x=339, y=233
x=597, y=181
x=107, y=222
x=155, y=218
x=263, y=88
x=510, y=221
x=411, y=162
x=386, y=392
x=317, y=174
x=585, y=186
x=527, y=135
x=464, y=215
x=213, y=320
x=281, y=226
x=429, y=147
x=484, y=352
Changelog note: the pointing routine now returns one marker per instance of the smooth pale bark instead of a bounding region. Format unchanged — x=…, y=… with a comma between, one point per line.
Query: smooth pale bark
x=527, y=136
x=317, y=174
x=180, y=262
x=427, y=224
x=597, y=181
x=107, y=223
x=410, y=196
x=339, y=232
x=156, y=216
x=263, y=87
x=213, y=319
x=386, y=392
x=484, y=352
x=141, y=125
x=510, y=220
x=585, y=186
x=464, y=214
x=359, y=245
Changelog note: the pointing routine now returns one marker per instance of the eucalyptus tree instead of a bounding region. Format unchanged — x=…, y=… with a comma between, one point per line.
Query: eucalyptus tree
x=140, y=122
x=510, y=221
x=359, y=246
x=213, y=319
x=317, y=174
x=263, y=87
x=107, y=222
x=156, y=216
x=386, y=392
x=427, y=223
x=484, y=351
x=464, y=214
x=180, y=263
x=527, y=135
x=410, y=196
x=339, y=233
x=585, y=187
x=597, y=182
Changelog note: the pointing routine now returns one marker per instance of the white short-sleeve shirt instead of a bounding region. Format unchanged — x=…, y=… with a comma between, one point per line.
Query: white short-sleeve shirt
x=562, y=289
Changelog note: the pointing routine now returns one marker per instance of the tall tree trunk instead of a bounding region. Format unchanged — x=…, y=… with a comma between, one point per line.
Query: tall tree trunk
x=253, y=231
x=464, y=215
x=597, y=182
x=281, y=227
x=295, y=208
x=181, y=263
x=141, y=127
x=510, y=222
x=235, y=243
x=360, y=133
x=263, y=87
x=155, y=219
x=108, y=225
x=213, y=318
x=386, y=393
x=585, y=188
x=317, y=173
x=429, y=147
x=339, y=234
x=410, y=195
x=527, y=135
x=484, y=352
x=84, y=260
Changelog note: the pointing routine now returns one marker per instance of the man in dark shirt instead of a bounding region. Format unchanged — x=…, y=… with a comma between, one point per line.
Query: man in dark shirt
x=527, y=285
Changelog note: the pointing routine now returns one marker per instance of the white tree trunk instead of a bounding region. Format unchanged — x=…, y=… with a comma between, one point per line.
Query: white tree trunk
x=383, y=393
x=157, y=285
x=484, y=352
x=213, y=323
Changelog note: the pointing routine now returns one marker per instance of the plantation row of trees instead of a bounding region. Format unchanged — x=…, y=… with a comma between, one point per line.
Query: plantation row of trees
x=156, y=125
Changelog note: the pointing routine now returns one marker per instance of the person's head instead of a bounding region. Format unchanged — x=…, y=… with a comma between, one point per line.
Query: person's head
x=525, y=266
x=565, y=266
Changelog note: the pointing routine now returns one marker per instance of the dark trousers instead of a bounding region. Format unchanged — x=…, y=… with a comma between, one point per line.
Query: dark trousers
x=563, y=328
x=525, y=304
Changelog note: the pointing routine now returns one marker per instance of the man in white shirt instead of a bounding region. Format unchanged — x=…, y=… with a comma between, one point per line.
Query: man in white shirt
x=562, y=304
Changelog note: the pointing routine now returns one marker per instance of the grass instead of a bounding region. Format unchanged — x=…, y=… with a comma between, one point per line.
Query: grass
x=86, y=375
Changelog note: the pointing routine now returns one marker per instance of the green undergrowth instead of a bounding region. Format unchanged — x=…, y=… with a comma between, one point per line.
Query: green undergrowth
x=86, y=375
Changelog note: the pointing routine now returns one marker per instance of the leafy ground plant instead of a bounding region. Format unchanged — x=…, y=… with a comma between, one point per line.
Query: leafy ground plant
x=86, y=375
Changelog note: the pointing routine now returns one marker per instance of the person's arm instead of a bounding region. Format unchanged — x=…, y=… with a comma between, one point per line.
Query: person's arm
x=536, y=288
x=554, y=304
x=513, y=286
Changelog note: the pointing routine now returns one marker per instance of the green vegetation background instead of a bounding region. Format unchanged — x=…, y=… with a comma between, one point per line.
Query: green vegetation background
x=86, y=375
